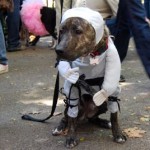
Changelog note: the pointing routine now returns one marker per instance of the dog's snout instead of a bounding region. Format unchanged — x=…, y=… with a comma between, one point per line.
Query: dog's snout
x=59, y=50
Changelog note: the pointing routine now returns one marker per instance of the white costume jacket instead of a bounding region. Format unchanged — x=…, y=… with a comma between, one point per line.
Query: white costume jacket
x=108, y=66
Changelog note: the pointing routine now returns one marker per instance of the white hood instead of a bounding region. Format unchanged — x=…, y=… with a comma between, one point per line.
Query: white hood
x=93, y=17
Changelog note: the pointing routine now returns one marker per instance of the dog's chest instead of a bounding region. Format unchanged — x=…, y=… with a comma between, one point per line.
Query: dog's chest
x=91, y=70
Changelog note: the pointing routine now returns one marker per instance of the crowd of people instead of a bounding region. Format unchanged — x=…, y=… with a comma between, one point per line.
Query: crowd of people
x=124, y=18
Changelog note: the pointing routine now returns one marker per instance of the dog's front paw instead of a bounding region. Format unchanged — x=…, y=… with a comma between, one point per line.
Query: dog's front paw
x=57, y=131
x=120, y=138
x=71, y=142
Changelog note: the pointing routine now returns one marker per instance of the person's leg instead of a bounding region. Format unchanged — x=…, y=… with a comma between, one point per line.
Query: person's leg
x=119, y=28
x=147, y=7
x=13, y=23
x=111, y=24
x=122, y=32
x=140, y=30
x=3, y=58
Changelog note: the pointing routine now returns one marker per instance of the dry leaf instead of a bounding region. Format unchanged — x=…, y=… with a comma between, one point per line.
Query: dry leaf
x=147, y=108
x=82, y=139
x=144, y=119
x=34, y=112
x=137, y=123
x=132, y=114
x=57, y=113
x=134, y=132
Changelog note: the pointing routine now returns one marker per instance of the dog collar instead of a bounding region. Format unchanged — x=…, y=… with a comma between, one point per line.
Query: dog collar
x=100, y=48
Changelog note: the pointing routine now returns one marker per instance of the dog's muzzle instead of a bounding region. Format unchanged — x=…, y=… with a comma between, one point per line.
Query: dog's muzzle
x=59, y=50
x=61, y=54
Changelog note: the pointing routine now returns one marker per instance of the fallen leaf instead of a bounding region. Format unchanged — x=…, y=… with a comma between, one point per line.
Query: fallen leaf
x=57, y=113
x=132, y=114
x=137, y=123
x=134, y=132
x=82, y=139
x=147, y=108
x=34, y=112
x=145, y=119
x=146, y=116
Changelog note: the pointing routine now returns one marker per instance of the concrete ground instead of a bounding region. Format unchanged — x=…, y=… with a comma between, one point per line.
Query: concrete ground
x=28, y=88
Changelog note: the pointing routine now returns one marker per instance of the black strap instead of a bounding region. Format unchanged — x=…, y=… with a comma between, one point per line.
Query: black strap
x=68, y=99
x=70, y=3
x=55, y=99
x=61, y=6
x=114, y=99
x=88, y=83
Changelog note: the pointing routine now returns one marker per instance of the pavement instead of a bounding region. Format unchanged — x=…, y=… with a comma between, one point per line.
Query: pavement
x=28, y=89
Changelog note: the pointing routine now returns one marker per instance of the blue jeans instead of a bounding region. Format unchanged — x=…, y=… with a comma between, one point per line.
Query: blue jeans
x=13, y=24
x=3, y=58
x=119, y=28
x=111, y=24
x=147, y=7
x=132, y=17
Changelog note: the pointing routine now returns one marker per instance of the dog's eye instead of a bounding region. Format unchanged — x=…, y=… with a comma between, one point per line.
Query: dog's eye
x=78, y=31
x=62, y=30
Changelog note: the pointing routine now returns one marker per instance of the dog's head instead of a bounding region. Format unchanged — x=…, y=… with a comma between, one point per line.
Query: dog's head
x=81, y=29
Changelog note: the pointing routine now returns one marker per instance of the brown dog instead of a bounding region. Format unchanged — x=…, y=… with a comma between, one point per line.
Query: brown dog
x=76, y=39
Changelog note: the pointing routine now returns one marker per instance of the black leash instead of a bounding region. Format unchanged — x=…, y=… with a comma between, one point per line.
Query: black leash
x=56, y=92
x=55, y=99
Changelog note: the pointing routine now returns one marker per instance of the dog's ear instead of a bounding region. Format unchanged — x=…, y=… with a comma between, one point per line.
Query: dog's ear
x=48, y=18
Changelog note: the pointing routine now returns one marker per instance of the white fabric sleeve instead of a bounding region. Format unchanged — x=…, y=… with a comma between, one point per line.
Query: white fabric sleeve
x=70, y=74
x=100, y=97
x=112, y=69
x=112, y=106
x=63, y=67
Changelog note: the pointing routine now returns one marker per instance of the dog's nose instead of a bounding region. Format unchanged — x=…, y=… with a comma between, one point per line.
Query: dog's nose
x=59, y=50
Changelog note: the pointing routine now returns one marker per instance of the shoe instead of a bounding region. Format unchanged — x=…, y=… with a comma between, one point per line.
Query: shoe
x=122, y=79
x=3, y=68
x=14, y=49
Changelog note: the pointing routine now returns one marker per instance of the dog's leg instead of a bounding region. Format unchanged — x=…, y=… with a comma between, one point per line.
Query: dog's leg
x=62, y=125
x=116, y=131
x=103, y=123
x=113, y=107
x=71, y=140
